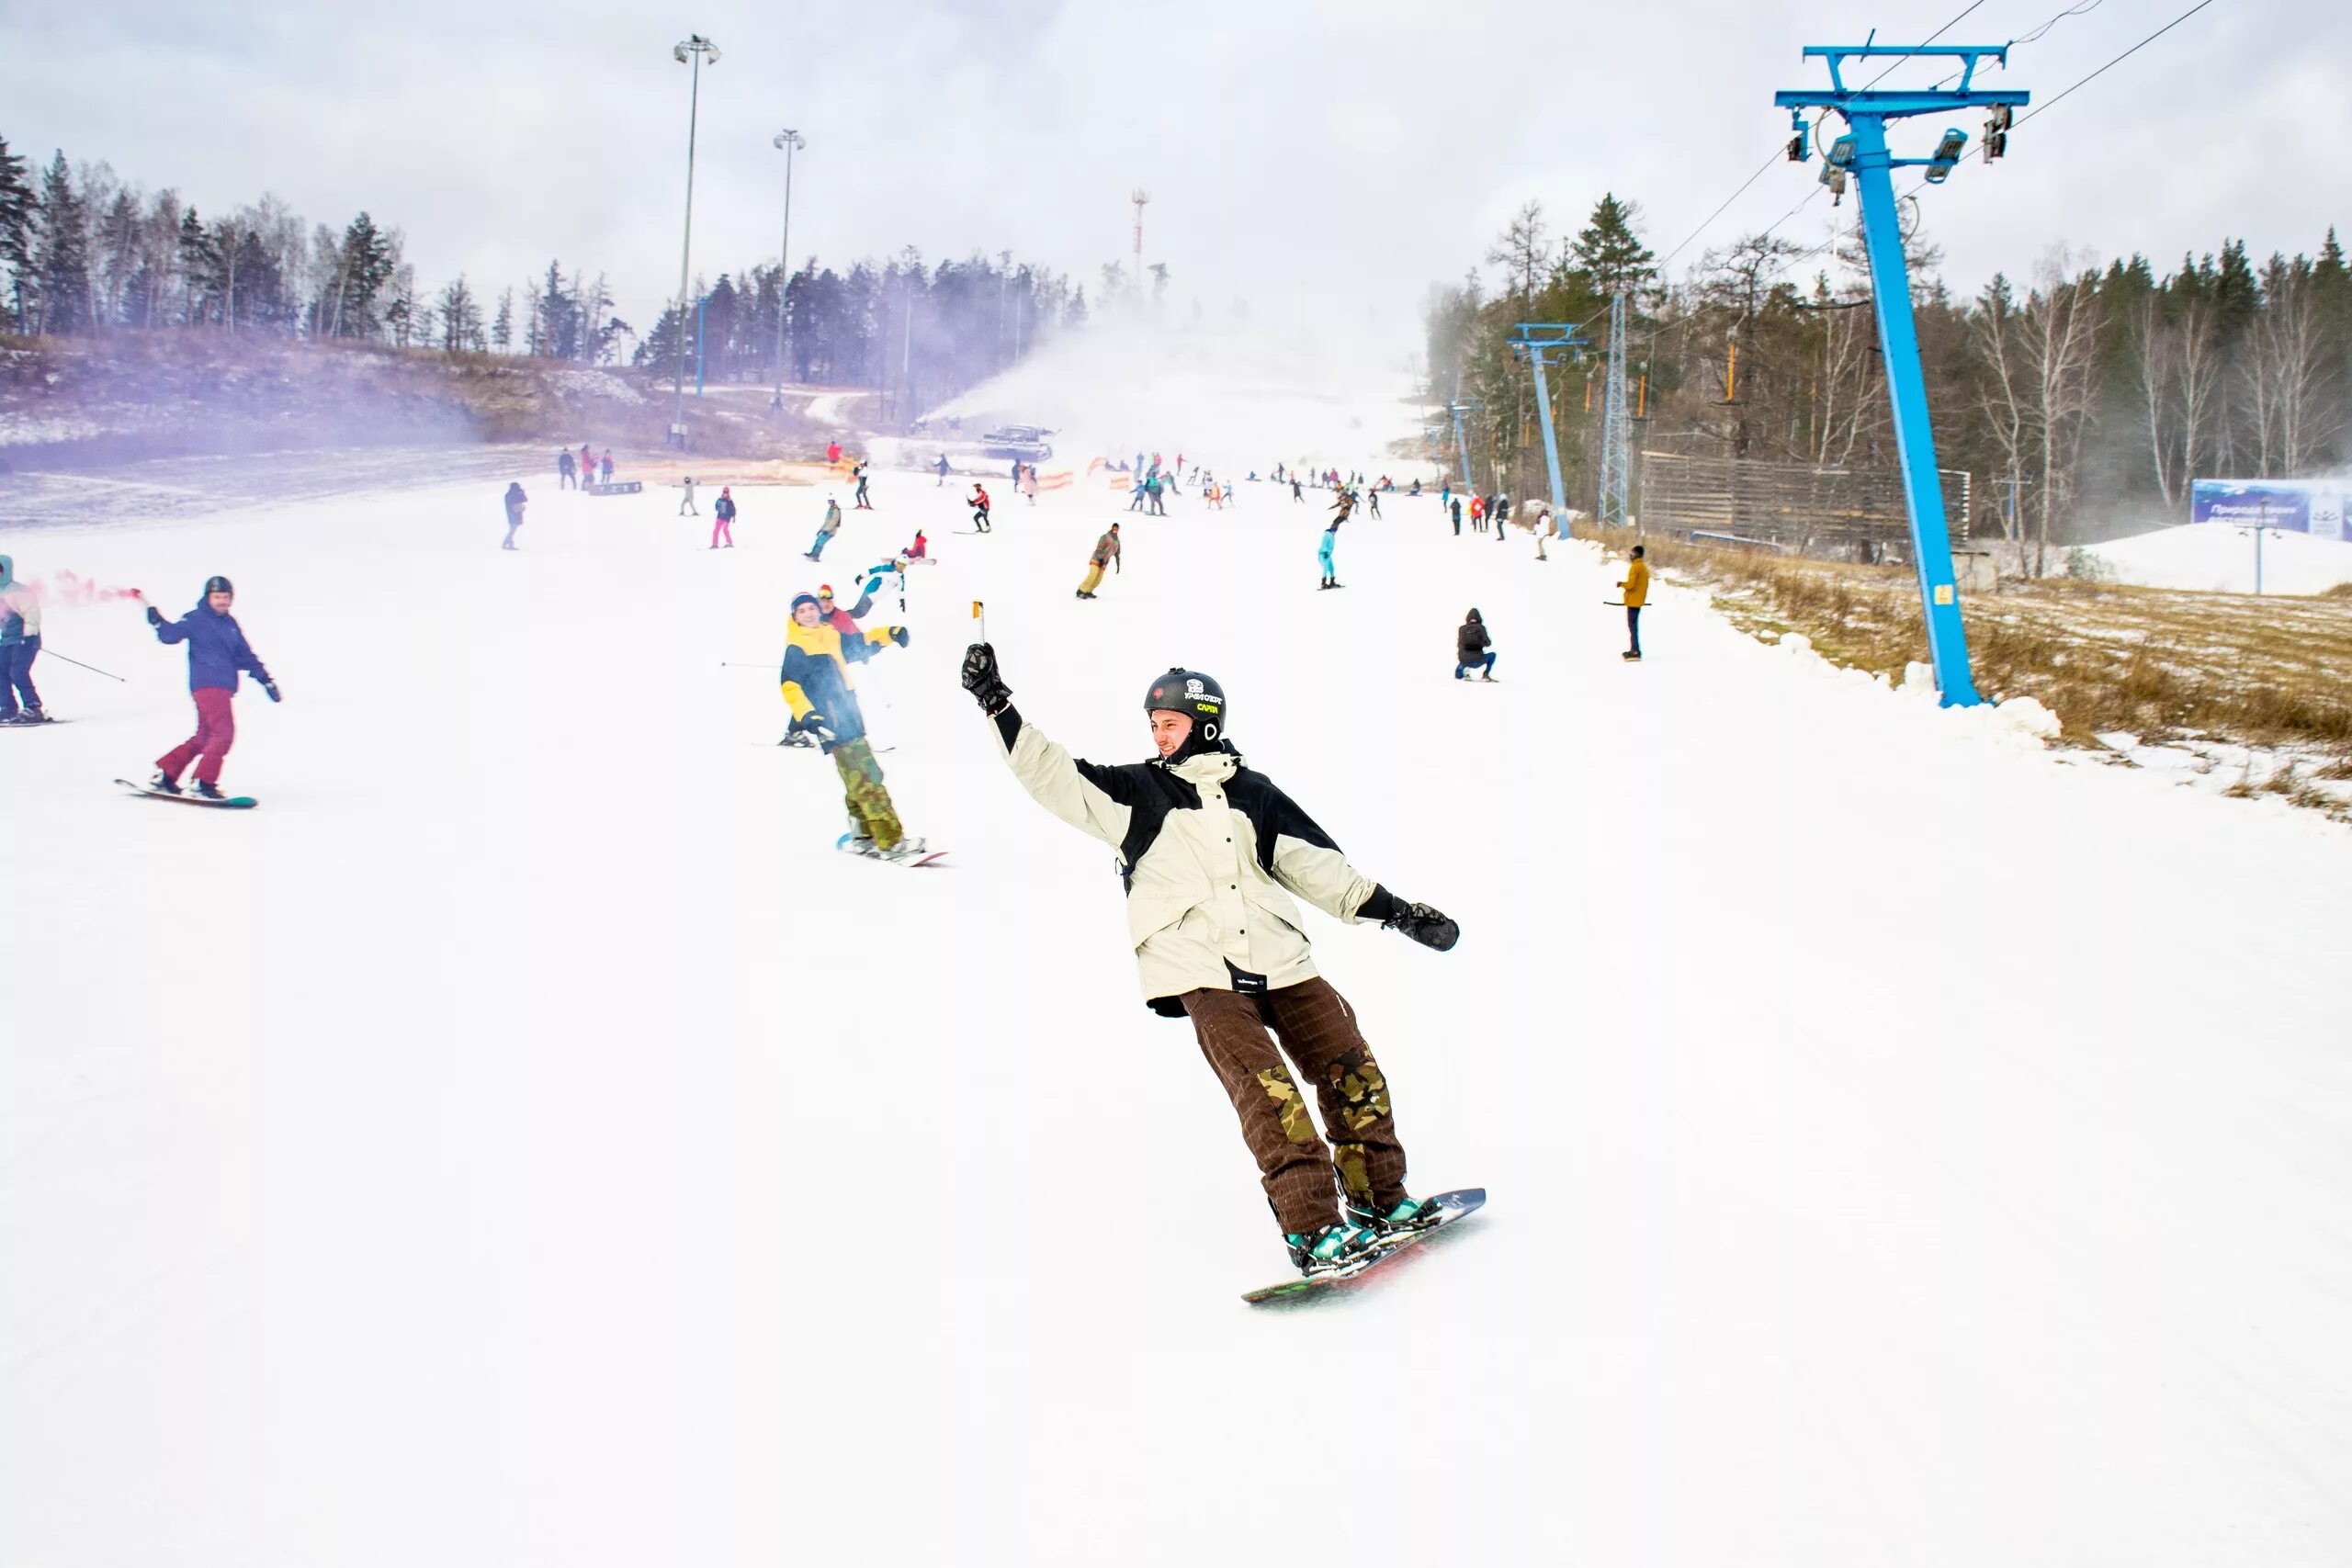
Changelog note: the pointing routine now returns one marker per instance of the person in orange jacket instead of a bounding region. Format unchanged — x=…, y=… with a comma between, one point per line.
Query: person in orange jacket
x=1637, y=584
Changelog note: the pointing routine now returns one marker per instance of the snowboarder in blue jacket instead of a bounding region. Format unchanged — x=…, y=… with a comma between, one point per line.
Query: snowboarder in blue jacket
x=217, y=651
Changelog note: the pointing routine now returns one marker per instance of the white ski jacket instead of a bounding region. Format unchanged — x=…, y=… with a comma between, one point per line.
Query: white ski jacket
x=1209, y=853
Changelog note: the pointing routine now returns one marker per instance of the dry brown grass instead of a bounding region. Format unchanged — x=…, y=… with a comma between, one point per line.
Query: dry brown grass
x=2157, y=662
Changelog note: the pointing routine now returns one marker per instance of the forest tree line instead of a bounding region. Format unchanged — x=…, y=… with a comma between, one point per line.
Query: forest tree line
x=2093, y=393
x=82, y=253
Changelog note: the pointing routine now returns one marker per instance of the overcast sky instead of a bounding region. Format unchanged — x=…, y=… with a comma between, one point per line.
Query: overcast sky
x=1329, y=159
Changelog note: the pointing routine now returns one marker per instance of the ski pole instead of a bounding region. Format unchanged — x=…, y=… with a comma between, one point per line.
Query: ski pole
x=78, y=664
x=740, y=664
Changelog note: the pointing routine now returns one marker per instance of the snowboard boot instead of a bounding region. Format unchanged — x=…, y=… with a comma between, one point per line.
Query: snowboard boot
x=162, y=783
x=208, y=790
x=1332, y=1247
x=1400, y=1219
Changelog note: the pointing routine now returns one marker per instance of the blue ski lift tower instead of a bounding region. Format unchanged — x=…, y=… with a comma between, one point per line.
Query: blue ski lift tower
x=1616, y=425
x=1457, y=408
x=1531, y=341
x=1861, y=154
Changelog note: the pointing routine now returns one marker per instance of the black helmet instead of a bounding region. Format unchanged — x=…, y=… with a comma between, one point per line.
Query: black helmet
x=1195, y=695
x=218, y=585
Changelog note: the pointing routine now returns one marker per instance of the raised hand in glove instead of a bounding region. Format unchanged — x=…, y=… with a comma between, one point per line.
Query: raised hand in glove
x=1429, y=927
x=271, y=687
x=154, y=616
x=982, y=680
x=900, y=635
x=821, y=727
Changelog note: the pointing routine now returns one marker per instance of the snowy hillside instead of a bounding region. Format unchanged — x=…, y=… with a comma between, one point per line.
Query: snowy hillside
x=2217, y=558
x=525, y=1140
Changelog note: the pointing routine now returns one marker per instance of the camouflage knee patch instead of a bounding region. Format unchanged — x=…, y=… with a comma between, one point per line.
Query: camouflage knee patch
x=1362, y=1092
x=1355, y=1177
x=1289, y=1105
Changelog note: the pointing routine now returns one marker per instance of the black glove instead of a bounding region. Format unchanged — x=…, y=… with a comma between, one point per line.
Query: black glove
x=899, y=635
x=154, y=616
x=1427, y=926
x=981, y=679
x=271, y=687
x=821, y=727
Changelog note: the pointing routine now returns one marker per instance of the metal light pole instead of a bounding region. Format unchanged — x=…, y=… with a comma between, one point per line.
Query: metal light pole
x=693, y=51
x=790, y=141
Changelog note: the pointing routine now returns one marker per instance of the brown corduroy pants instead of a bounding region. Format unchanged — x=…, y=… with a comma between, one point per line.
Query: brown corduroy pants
x=1318, y=1029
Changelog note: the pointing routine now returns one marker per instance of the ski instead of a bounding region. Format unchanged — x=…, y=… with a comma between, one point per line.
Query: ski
x=234, y=802
x=1448, y=1206
x=850, y=845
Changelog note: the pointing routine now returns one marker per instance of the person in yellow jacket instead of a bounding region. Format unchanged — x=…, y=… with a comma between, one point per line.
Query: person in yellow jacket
x=1637, y=584
x=1106, y=551
x=816, y=689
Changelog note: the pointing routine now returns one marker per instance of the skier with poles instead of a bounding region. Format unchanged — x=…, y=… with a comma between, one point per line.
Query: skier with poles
x=19, y=645
x=217, y=651
x=1106, y=553
x=816, y=685
x=1235, y=960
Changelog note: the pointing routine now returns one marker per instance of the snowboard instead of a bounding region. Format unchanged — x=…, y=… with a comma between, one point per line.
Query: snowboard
x=31, y=724
x=848, y=846
x=1450, y=1206
x=234, y=803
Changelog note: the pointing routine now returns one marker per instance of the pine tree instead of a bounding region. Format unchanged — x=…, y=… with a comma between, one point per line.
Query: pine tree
x=558, y=317
x=1609, y=252
x=62, y=258
x=502, y=326
x=18, y=208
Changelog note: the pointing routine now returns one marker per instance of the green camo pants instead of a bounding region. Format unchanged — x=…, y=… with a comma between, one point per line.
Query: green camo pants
x=1318, y=1032
x=862, y=790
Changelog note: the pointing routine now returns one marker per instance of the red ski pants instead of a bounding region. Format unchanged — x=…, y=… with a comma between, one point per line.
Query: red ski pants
x=723, y=529
x=216, y=731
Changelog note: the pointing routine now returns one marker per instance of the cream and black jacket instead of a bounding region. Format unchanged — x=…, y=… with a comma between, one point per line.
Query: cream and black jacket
x=1210, y=853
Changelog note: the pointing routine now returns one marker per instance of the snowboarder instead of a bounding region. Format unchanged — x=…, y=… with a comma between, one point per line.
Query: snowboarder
x=862, y=504
x=920, y=549
x=1330, y=542
x=1235, y=960
x=722, y=515
x=686, y=507
x=566, y=471
x=980, y=504
x=827, y=529
x=1637, y=584
x=217, y=649
x=515, y=499
x=1473, y=648
x=1106, y=553
x=19, y=645
x=941, y=467
x=815, y=680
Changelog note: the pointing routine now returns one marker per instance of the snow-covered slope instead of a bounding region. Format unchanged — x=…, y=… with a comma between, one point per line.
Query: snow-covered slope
x=2219, y=559
x=525, y=1140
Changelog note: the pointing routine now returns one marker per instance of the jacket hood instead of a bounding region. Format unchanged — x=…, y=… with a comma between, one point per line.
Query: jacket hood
x=1199, y=762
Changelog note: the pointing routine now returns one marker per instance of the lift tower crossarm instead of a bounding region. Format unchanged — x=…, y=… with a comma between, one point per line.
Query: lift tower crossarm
x=1531, y=341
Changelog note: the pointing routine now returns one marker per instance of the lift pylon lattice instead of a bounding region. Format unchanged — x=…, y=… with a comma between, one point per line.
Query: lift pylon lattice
x=1457, y=408
x=1616, y=425
x=1531, y=341
x=1862, y=153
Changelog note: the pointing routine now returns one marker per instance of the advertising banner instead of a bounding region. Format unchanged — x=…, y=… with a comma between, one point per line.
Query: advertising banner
x=2304, y=506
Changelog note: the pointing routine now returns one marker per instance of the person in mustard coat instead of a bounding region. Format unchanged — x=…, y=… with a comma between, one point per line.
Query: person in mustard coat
x=1637, y=584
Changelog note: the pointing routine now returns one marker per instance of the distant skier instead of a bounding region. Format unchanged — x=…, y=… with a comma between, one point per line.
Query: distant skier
x=217, y=651
x=1106, y=553
x=1372, y=500
x=1155, y=491
x=979, y=502
x=920, y=549
x=1499, y=514
x=19, y=645
x=566, y=470
x=1235, y=959
x=833, y=453
x=722, y=515
x=516, y=501
x=686, y=507
x=1323, y=551
x=1637, y=584
x=587, y=465
x=863, y=504
x=1415, y=492
x=604, y=465
x=816, y=685
x=1477, y=514
x=827, y=529
x=1457, y=507
x=941, y=467
x=1029, y=484
x=1135, y=497
x=1297, y=492
x=1473, y=648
